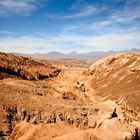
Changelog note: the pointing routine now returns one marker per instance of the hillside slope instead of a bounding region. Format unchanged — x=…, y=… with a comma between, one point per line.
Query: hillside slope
x=115, y=77
x=26, y=68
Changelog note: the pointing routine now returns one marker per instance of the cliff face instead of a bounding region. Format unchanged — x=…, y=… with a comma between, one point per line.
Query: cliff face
x=26, y=68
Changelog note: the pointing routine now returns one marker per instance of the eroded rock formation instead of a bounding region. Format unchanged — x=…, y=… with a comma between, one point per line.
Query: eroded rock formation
x=26, y=68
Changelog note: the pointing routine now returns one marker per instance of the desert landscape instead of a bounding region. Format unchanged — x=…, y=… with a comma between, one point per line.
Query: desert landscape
x=69, y=69
x=61, y=100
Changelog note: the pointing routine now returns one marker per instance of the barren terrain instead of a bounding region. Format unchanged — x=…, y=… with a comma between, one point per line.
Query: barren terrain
x=78, y=103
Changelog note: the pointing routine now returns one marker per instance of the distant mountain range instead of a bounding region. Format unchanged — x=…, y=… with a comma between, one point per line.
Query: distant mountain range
x=75, y=55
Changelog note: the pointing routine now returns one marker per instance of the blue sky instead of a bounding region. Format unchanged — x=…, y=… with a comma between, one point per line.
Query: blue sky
x=41, y=26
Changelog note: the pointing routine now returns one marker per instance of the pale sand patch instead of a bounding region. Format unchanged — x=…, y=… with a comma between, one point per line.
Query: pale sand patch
x=122, y=77
x=105, y=85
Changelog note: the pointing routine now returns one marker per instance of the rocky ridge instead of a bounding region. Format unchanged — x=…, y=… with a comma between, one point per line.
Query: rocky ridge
x=26, y=68
x=115, y=77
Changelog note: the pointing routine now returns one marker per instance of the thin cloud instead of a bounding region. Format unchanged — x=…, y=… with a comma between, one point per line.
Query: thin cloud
x=85, y=12
x=113, y=41
x=72, y=42
x=81, y=12
x=118, y=41
x=17, y=7
x=125, y=19
x=25, y=44
x=4, y=32
x=129, y=14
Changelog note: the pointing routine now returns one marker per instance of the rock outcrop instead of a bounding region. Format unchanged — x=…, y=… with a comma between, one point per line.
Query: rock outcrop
x=115, y=77
x=26, y=68
x=88, y=123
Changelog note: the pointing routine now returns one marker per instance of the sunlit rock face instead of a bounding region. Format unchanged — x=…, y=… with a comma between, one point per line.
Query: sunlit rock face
x=26, y=68
x=115, y=77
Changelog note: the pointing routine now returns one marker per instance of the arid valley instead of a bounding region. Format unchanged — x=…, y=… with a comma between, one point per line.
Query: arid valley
x=69, y=69
x=70, y=99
